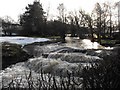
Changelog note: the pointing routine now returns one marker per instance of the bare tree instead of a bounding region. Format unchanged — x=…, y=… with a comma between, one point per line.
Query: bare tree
x=61, y=10
x=117, y=4
x=81, y=23
x=97, y=20
x=7, y=25
x=47, y=12
x=108, y=7
x=62, y=21
x=89, y=22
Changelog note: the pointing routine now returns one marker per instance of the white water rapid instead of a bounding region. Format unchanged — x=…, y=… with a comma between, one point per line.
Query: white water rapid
x=56, y=59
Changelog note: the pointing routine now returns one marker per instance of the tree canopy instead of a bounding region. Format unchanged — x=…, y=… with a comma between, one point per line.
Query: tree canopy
x=98, y=25
x=33, y=20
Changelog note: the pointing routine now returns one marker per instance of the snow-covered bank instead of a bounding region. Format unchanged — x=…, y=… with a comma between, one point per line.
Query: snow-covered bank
x=22, y=40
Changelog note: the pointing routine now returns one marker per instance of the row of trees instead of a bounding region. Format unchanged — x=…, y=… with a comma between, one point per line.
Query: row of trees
x=101, y=23
x=34, y=22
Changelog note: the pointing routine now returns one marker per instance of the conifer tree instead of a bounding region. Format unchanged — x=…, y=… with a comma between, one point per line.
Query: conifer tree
x=33, y=20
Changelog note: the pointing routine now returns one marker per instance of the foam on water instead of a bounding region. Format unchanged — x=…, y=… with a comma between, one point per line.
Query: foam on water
x=90, y=45
x=82, y=43
x=51, y=65
x=74, y=57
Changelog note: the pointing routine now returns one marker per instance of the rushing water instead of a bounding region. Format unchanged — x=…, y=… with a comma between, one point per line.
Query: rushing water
x=56, y=59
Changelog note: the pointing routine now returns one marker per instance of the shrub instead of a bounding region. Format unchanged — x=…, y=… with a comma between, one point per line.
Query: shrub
x=106, y=74
x=12, y=53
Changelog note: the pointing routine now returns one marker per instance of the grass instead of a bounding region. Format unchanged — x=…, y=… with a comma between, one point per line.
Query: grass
x=104, y=75
x=108, y=41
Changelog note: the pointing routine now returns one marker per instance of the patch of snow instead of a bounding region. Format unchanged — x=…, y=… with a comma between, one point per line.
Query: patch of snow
x=22, y=40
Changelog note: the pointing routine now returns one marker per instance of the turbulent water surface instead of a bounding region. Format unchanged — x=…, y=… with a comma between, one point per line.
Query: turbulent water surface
x=56, y=59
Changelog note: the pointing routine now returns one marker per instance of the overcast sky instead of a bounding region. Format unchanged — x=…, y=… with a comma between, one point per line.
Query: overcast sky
x=14, y=8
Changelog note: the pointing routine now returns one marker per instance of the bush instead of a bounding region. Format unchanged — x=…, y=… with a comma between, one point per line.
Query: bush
x=43, y=82
x=106, y=74
x=12, y=53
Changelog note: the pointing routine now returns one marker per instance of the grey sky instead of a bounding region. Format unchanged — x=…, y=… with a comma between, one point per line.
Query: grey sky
x=14, y=8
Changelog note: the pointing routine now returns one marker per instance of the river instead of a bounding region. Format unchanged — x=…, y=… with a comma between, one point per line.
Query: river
x=56, y=59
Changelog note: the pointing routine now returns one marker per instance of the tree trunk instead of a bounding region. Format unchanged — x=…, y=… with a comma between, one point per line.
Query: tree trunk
x=63, y=38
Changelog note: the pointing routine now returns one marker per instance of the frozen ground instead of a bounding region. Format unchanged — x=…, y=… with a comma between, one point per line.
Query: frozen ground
x=22, y=40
